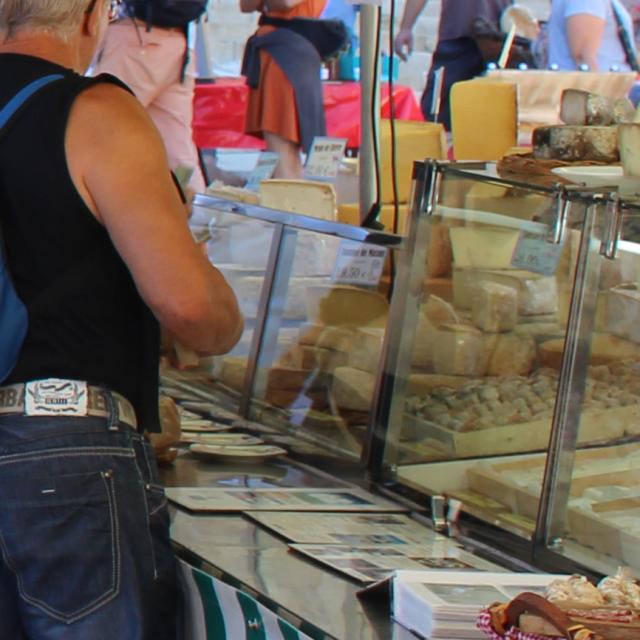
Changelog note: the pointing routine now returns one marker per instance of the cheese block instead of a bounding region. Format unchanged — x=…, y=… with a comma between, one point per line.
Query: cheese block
x=439, y=253
x=306, y=197
x=623, y=110
x=322, y=359
x=484, y=118
x=433, y=313
x=343, y=305
x=413, y=140
x=483, y=248
x=512, y=354
x=579, y=107
x=460, y=350
x=537, y=294
x=366, y=350
x=494, y=307
x=230, y=371
x=353, y=389
x=238, y=194
x=605, y=349
x=338, y=338
x=628, y=140
x=622, y=309
x=572, y=143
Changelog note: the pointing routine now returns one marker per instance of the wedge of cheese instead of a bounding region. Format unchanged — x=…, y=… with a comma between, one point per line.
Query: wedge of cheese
x=366, y=351
x=579, y=107
x=484, y=118
x=306, y=197
x=343, y=305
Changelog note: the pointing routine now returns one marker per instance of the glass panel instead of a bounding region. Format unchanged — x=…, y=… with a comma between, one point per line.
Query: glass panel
x=239, y=247
x=315, y=299
x=602, y=521
x=323, y=340
x=481, y=343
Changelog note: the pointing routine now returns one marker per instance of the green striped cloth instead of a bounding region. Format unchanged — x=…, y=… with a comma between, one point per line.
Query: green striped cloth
x=216, y=611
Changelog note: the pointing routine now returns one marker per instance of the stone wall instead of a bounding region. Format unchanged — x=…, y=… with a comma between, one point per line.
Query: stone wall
x=227, y=30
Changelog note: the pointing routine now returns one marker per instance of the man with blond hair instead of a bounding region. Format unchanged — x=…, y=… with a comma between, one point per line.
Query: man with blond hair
x=99, y=251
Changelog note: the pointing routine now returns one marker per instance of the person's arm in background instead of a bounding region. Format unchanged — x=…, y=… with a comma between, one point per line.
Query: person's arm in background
x=403, y=42
x=247, y=6
x=584, y=35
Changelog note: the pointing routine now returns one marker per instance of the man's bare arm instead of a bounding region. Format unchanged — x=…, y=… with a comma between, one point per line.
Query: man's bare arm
x=118, y=163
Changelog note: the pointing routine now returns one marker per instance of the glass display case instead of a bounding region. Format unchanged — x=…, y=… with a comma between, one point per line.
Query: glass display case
x=511, y=379
x=315, y=297
x=488, y=358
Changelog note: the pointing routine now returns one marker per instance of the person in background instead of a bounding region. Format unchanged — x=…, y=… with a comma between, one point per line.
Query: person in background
x=585, y=33
x=456, y=50
x=150, y=50
x=99, y=251
x=285, y=92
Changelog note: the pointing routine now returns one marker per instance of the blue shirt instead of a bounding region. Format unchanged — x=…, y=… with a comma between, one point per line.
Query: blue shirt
x=610, y=52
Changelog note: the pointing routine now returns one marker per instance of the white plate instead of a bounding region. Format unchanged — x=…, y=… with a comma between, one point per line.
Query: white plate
x=203, y=426
x=227, y=439
x=256, y=453
x=592, y=176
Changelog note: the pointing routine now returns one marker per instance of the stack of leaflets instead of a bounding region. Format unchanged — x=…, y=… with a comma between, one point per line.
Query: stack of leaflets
x=446, y=604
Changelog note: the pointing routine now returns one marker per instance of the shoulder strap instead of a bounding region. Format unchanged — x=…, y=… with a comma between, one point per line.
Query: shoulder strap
x=625, y=39
x=14, y=106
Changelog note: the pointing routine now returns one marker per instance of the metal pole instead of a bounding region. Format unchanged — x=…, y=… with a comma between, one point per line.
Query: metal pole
x=370, y=95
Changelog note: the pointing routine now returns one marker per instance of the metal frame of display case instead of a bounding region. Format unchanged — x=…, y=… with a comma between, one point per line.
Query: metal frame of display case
x=603, y=210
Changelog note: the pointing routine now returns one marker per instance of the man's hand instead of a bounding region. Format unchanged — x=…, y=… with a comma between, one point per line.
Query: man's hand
x=403, y=44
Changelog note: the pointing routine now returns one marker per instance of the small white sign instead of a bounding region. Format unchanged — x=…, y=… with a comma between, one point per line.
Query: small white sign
x=265, y=166
x=359, y=264
x=533, y=252
x=324, y=157
x=55, y=396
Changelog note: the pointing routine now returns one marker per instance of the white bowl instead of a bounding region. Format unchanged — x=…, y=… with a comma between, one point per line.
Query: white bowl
x=592, y=175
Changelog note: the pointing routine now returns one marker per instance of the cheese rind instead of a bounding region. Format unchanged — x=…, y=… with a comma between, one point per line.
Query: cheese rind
x=568, y=142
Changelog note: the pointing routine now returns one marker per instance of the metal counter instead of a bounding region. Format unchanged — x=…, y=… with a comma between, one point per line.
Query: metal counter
x=233, y=548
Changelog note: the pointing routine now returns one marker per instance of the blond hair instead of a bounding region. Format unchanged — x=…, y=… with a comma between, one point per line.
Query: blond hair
x=58, y=16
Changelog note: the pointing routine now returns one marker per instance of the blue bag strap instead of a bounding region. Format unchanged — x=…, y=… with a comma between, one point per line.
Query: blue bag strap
x=24, y=94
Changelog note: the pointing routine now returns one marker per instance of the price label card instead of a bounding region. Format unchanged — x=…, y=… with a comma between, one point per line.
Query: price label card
x=324, y=157
x=534, y=253
x=358, y=264
x=263, y=170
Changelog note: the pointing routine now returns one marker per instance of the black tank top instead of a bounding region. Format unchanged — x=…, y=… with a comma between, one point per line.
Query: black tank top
x=86, y=318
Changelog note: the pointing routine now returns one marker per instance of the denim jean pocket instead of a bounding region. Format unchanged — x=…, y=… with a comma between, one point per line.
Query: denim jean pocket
x=60, y=538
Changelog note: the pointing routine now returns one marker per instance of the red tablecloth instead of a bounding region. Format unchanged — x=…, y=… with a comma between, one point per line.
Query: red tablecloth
x=219, y=108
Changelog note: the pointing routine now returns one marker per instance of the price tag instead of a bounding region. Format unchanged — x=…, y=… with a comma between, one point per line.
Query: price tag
x=263, y=170
x=358, y=264
x=324, y=158
x=534, y=253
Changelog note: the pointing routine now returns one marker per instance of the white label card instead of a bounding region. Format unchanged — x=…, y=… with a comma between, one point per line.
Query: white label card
x=325, y=157
x=359, y=264
x=533, y=252
x=263, y=170
x=54, y=396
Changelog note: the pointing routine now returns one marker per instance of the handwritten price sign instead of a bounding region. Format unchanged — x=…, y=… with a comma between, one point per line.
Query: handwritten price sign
x=534, y=253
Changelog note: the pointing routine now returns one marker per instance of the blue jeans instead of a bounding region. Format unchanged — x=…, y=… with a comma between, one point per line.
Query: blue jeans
x=84, y=533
